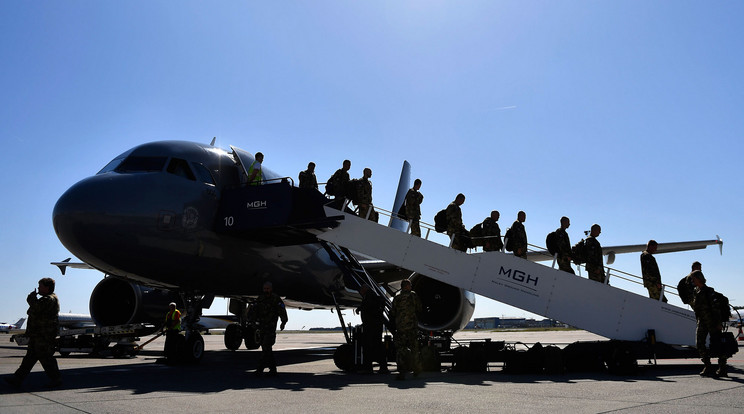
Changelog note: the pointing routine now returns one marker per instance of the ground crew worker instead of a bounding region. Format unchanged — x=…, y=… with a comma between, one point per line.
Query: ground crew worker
x=492, y=233
x=255, y=175
x=563, y=243
x=594, y=264
x=42, y=330
x=455, y=229
x=172, y=332
x=372, y=309
x=307, y=178
x=519, y=235
x=268, y=308
x=708, y=322
x=364, y=196
x=650, y=271
x=406, y=310
x=413, y=207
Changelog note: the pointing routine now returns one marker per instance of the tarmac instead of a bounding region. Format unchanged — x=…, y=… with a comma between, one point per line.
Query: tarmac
x=309, y=382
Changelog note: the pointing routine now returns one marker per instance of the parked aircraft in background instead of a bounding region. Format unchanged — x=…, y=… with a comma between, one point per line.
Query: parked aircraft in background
x=175, y=220
x=7, y=327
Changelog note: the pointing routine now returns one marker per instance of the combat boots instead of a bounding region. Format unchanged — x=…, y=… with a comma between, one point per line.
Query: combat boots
x=722, y=369
x=708, y=370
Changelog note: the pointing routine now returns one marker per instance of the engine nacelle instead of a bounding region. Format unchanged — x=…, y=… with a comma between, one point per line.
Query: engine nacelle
x=117, y=301
x=445, y=307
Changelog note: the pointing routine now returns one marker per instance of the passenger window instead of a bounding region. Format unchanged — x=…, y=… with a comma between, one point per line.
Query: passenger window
x=203, y=173
x=180, y=168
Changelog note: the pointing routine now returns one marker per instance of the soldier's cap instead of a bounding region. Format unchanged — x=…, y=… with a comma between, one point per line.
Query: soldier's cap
x=698, y=274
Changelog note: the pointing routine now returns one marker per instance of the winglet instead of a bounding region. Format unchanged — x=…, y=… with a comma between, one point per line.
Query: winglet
x=720, y=243
x=63, y=265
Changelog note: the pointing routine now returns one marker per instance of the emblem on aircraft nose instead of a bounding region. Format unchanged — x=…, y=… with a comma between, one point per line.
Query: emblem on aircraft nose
x=190, y=218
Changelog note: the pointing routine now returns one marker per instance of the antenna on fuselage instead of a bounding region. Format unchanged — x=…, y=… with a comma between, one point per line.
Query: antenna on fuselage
x=211, y=144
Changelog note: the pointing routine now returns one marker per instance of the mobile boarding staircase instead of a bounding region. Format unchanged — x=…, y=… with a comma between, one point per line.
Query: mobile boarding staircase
x=624, y=317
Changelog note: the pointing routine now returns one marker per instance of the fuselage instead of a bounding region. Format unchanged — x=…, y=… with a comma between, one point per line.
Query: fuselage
x=152, y=214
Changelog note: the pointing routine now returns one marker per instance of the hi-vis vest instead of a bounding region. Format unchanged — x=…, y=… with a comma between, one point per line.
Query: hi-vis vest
x=259, y=176
x=173, y=316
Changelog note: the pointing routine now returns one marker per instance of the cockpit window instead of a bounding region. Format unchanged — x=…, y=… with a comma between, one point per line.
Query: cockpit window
x=141, y=164
x=203, y=173
x=111, y=166
x=180, y=168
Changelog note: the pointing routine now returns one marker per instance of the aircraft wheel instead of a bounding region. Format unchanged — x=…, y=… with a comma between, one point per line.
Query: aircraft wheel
x=194, y=348
x=252, y=337
x=233, y=336
x=344, y=357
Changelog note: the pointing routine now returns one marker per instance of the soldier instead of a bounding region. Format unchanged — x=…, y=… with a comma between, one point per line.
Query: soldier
x=172, y=332
x=406, y=309
x=685, y=287
x=338, y=183
x=708, y=322
x=519, y=235
x=372, y=309
x=594, y=265
x=42, y=330
x=564, y=246
x=364, y=196
x=255, y=174
x=413, y=207
x=268, y=308
x=455, y=229
x=492, y=233
x=650, y=271
x=307, y=177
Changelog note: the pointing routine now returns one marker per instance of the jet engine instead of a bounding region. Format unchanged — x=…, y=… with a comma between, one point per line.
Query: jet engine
x=445, y=307
x=117, y=301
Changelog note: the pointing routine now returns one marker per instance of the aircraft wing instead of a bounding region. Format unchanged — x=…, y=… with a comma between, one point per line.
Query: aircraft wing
x=611, y=251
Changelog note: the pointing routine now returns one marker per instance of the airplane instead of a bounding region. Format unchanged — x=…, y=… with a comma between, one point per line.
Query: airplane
x=7, y=327
x=176, y=220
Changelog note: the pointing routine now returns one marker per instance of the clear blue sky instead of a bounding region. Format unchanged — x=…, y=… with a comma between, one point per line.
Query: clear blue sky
x=628, y=114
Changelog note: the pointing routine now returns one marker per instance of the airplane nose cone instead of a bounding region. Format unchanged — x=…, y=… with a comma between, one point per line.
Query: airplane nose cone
x=75, y=212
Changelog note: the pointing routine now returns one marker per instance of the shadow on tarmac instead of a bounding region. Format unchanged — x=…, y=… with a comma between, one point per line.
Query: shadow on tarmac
x=227, y=370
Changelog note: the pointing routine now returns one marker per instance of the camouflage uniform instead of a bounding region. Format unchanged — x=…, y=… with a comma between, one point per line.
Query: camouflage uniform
x=708, y=321
x=268, y=308
x=564, y=251
x=492, y=235
x=651, y=275
x=456, y=228
x=372, y=308
x=308, y=180
x=519, y=236
x=42, y=330
x=364, y=196
x=340, y=180
x=594, y=265
x=406, y=308
x=413, y=210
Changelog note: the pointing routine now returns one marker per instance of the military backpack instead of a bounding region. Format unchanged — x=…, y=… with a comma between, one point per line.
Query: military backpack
x=578, y=252
x=440, y=221
x=686, y=290
x=509, y=240
x=721, y=304
x=551, y=242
